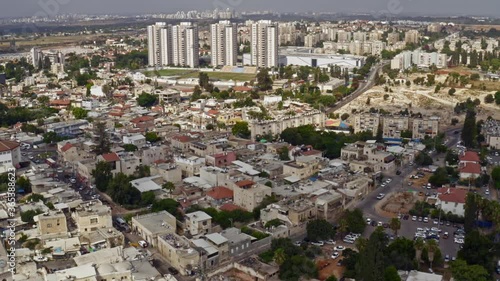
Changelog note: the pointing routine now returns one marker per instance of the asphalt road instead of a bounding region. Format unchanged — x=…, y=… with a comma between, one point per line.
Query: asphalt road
x=363, y=87
x=398, y=183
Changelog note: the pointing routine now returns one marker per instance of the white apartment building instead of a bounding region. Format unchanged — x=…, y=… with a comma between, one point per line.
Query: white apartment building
x=264, y=43
x=425, y=127
x=224, y=43
x=173, y=45
x=411, y=36
x=366, y=123
x=419, y=58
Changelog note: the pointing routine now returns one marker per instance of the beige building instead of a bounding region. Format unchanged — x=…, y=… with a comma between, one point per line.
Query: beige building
x=168, y=171
x=151, y=226
x=52, y=225
x=295, y=213
x=279, y=124
x=178, y=253
x=366, y=122
x=248, y=194
x=190, y=166
x=394, y=125
x=203, y=149
x=411, y=37
x=92, y=216
x=392, y=38
x=302, y=167
x=425, y=127
x=198, y=223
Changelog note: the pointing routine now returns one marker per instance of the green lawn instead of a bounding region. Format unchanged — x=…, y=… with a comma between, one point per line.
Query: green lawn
x=188, y=73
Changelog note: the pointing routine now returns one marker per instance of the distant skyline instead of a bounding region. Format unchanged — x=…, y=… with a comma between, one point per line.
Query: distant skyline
x=26, y=8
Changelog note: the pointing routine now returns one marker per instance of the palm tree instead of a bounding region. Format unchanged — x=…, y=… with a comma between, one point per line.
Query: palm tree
x=279, y=256
x=395, y=225
x=419, y=246
x=432, y=247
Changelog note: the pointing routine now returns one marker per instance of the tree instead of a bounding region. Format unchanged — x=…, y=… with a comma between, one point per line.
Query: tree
x=497, y=97
x=471, y=211
x=419, y=247
x=43, y=100
x=451, y=91
x=169, y=186
x=102, y=175
x=368, y=100
x=147, y=100
x=142, y=171
x=401, y=253
x=103, y=144
x=432, y=249
x=477, y=249
x=24, y=183
x=423, y=159
x=461, y=271
x=391, y=274
x=495, y=176
x=130, y=147
x=240, y=129
x=28, y=216
x=79, y=113
x=355, y=221
x=440, y=177
x=264, y=81
x=283, y=153
x=395, y=225
x=331, y=278
x=279, y=256
x=319, y=229
x=371, y=264
x=344, y=116
x=469, y=131
x=489, y=98
x=210, y=127
x=152, y=137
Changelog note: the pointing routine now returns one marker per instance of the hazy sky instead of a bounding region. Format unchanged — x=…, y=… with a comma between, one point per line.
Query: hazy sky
x=15, y=8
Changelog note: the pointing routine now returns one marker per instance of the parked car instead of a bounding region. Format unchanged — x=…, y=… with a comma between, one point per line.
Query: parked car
x=445, y=235
x=40, y=259
x=447, y=258
x=349, y=241
x=335, y=255
x=143, y=243
x=330, y=241
x=339, y=248
x=426, y=219
x=380, y=196
x=414, y=218
x=319, y=243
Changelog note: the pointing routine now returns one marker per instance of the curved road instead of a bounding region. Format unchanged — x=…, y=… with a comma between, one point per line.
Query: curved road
x=363, y=87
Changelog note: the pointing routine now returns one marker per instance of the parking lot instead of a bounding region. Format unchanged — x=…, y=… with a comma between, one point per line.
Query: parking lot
x=409, y=228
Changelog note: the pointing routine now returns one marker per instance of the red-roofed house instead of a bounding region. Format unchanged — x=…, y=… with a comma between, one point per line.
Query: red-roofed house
x=143, y=122
x=112, y=159
x=469, y=157
x=10, y=155
x=228, y=207
x=220, y=193
x=452, y=200
x=470, y=170
x=223, y=159
x=60, y=104
x=242, y=89
x=248, y=194
x=73, y=152
x=180, y=142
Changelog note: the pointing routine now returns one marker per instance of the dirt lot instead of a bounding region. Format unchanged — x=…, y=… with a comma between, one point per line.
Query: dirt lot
x=422, y=99
x=400, y=202
x=328, y=267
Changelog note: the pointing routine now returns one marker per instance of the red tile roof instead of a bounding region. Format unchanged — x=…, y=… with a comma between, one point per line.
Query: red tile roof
x=242, y=89
x=455, y=195
x=6, y=145
x=471, y=168
x=228, y=207
x=182, y=138
x=220, y=192
x=245, y=183
x=60, y=102
x=142, y=119
x=111, y=157
x=66, y=147
x=470, y=156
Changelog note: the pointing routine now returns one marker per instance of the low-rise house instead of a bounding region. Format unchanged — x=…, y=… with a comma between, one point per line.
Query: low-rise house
x=252, y=268
x=143, y=122
x=190, y=166
x=469, y=165
x=452, y=200
x=146, y=184
x=151, y=226
x=198, y=223
x=303, y=167
x=168, y=171
x=138, y=140
x=248, y=194
x=10, y=155
x=222, y=159
x=178, y=253
x=52, y=225
x=91, y=216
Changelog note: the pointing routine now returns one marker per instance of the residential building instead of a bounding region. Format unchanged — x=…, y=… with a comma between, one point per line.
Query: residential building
x=393, y=126
x=452, y=200
x=178, y=253
x=138, y=140
x=151, y=226
x=248, y=194
x=52, y=225
x=90, y=217
x=239, y=242
x=224, y=43
x=280, y=123
x=491, y=132
x=264, y=43
x=469, y=165
x=411, y=37
x=10, y=155
x=198, y=223
x=366, y=123
x=252, y=268
x=419, y=58
x=302, y=167
x=222, y=159
x=423, y=127
x=190, y=166
x=173, y=45
x=296, y=212
x=168, y=171
x=392, y=38
x=68, y=128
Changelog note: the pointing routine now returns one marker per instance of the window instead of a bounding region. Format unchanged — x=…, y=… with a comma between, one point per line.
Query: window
x=49, y=225
x=94, y=220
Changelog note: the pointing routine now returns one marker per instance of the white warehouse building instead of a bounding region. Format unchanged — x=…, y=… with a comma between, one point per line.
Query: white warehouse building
x=305, y=57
